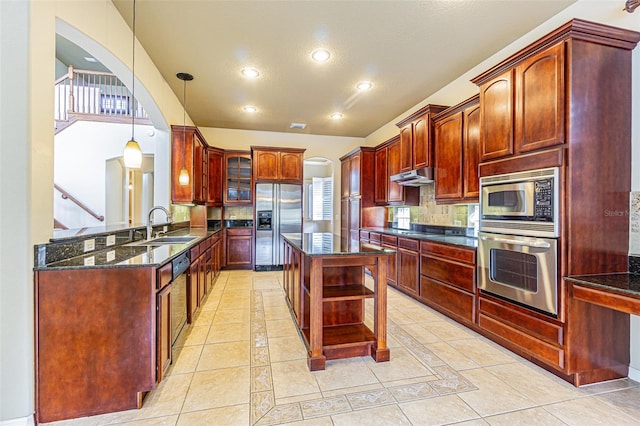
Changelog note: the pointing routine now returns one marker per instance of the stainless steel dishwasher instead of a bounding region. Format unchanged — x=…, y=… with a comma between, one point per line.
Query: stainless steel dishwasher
x=180, y=266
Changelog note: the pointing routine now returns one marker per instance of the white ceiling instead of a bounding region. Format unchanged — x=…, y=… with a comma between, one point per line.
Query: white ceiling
x=408, y=49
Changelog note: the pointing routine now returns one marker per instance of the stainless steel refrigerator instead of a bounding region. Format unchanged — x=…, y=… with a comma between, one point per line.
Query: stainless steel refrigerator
x=278, y=210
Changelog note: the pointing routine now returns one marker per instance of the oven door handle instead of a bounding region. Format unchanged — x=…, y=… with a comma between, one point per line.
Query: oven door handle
x=536, y=244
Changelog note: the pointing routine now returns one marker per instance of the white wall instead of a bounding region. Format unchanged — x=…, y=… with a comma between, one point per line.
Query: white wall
x=80, y=155
x=27, y=66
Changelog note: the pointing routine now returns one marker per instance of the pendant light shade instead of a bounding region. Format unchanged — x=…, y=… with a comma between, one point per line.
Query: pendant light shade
x=132, y=152
x=132, y=155
x=183, y=177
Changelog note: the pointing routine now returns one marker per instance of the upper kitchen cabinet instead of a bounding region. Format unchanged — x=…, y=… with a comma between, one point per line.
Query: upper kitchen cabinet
x=215, y=158
x=188, y=151
x=381, y=176
x=357, y=194
x=282, y=165
x=358, y=175
x=457, y=134
x=396, y=193
x=416, y=136
x=237, y=182
x=522, y=106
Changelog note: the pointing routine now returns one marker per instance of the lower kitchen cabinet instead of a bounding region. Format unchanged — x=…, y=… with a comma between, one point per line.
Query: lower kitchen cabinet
x=534, y=336
x=408, y=254
x=391, y=242
x=448, y=280
x=239, y=248
x=163, y=300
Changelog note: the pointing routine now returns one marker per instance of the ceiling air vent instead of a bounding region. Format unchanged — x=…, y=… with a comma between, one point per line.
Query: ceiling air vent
x=298, y=125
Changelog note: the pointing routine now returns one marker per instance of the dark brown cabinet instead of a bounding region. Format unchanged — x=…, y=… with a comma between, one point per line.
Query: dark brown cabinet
x=277, y=164
x=408, y=253
x=522, y=108
x=456, y=140
x=416, y=135
x=215, y=158
x=188, y=151
x=391, y=242
x=561, y=102
x=239, y=248
x=357, y=188
x=448, y=280
x=237, y=183
x=163, y=321
x=396, y=193
x=381, y=176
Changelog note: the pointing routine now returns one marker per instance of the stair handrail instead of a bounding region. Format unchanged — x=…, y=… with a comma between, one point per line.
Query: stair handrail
x=80, y=91
x=77, y=202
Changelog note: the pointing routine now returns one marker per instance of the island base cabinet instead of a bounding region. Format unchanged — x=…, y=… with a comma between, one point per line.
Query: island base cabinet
x=331, y=294
x=96, y=328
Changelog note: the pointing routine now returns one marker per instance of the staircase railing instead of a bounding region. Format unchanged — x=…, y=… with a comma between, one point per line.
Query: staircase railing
x=94, y=93
x=77, y=202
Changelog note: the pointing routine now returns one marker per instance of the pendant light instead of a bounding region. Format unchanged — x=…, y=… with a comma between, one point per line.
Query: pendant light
x=183, y=178
x=132, y=152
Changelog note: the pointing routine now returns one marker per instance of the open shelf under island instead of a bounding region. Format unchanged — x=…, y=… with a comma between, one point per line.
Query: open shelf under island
x=326, y=292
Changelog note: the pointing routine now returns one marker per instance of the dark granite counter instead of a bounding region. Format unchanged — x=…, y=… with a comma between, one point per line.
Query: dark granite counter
x=458, y=240
x=128, y=254
x=327, y=244
x=623, y=283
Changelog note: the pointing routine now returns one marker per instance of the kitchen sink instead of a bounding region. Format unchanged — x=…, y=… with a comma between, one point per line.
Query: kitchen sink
x=163, y=241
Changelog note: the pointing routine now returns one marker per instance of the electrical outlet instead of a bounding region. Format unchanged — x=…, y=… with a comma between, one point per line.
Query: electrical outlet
x=111, y=240
x=111, y=255
x=457, y=223
x=90, y=261
x=89, y=245
x=165, y=228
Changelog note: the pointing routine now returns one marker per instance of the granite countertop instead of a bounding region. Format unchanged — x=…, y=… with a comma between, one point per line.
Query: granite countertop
x=458, y=240
x=130, y=254
x=327, y=244
x=623, y=283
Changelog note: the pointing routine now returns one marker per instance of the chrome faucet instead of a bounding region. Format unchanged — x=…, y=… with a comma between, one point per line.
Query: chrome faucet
x=150, y=222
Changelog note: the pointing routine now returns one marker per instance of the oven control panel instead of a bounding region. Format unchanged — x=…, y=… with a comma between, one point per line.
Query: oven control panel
x=543, y=205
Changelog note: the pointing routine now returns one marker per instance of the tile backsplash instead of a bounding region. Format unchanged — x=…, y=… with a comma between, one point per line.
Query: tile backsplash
x=430, y=213
x=634, y=222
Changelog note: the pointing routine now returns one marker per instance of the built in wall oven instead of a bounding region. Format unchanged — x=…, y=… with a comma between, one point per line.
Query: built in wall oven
x=518, y=238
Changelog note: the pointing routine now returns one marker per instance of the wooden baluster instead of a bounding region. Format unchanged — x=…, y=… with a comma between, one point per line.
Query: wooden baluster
x=71, y=105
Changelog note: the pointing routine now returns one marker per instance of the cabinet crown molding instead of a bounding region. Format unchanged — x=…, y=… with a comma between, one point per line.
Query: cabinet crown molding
x=429, y=108
x=576, y=29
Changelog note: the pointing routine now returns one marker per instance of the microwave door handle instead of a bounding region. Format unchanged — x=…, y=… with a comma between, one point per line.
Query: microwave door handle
x=536, y=244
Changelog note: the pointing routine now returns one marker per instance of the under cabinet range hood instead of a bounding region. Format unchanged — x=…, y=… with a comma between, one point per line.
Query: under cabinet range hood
x=416, y=177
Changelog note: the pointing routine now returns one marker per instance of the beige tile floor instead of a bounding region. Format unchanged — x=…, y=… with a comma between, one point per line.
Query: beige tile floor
x=243, y=363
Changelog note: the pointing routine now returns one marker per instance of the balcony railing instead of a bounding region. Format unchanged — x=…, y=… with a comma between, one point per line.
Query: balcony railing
x=95, y=93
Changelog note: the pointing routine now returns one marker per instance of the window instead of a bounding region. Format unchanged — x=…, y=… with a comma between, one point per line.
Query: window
x=322, y=198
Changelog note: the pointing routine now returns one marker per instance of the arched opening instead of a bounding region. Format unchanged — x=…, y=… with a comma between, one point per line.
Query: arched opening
x=88, y=153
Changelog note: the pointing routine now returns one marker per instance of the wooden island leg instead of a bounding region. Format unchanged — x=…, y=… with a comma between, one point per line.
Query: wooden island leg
x=380, y=351
x=316, y=357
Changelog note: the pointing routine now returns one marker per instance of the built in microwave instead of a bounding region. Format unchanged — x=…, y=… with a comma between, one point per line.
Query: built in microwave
x=522, y=203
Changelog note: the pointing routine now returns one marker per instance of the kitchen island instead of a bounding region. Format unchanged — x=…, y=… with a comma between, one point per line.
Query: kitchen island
x=326, y=291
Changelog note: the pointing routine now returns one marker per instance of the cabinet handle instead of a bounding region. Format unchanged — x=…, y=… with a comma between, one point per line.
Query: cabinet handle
x=537, y=244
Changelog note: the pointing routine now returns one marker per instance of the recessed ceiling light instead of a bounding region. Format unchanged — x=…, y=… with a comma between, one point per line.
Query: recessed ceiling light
x=364, y=85
x=250, y=72
x=250, y=108
x=336, y=116
x=90, y=59
x=298, y=125
x=321, y=55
